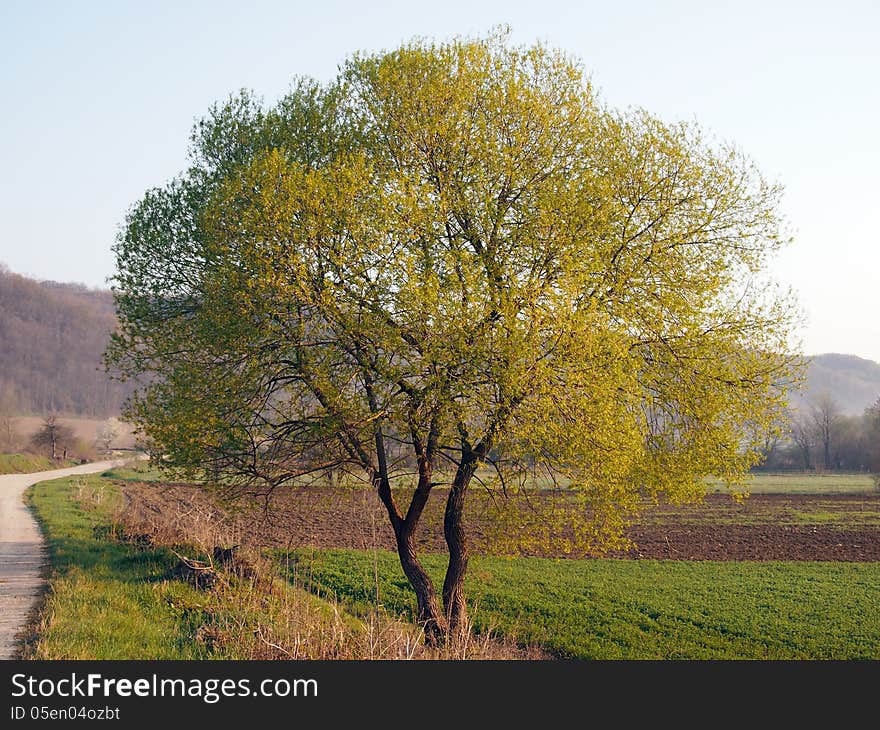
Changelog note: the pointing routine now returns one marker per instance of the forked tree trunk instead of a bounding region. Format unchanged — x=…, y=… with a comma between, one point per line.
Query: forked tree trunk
x=428, y=608
x=808, y=462
x=452, y=622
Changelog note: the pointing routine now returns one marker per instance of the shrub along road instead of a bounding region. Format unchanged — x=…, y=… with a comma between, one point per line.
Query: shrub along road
x=22, y=551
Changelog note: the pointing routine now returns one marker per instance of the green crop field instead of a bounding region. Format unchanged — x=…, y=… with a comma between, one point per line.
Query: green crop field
x=645, y=609
x=803, y=483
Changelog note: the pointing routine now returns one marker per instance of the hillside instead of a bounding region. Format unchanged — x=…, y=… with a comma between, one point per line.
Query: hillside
x=852, y=382
x=52, y=337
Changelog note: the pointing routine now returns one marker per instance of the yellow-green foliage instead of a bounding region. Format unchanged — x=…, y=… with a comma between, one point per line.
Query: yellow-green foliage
x=456, y=252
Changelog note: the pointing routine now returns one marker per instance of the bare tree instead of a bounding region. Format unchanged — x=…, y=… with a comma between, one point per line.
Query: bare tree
x=826, y=417
x=802, y=436
x=872, y=431
x=775, y=438
x=53, y=435
x=8, y=436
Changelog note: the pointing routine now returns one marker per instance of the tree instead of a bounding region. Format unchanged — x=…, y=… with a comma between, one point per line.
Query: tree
x=803, y=435
x=9, y=439
x=826, y=418
x=453, y=257
x=53, y=436
x=108, y=432
x=774, y=441
x=871, y=420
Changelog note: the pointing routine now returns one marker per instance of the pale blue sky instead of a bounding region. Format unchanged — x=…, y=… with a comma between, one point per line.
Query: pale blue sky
x=98, y=99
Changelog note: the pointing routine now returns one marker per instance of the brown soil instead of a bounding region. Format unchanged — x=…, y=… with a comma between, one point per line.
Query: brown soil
x=754, y=542
x=764, y=527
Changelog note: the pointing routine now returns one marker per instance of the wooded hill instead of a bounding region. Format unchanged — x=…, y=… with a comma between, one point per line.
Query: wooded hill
x=52, y=336
x=852, y=382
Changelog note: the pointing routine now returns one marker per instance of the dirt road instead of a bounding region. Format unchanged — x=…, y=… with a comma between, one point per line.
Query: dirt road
x=22, y=550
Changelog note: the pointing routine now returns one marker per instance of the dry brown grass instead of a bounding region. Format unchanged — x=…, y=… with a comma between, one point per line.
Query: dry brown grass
x=251, y=612
x=263, y=616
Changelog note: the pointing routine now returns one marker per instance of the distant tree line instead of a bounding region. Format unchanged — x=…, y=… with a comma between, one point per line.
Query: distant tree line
x=820, y=437
x=57, y=440
x=52, y=337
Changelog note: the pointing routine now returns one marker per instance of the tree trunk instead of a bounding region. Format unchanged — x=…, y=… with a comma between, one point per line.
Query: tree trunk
x=805, y=455
x=428, y=608
x=429, y=615
x=454, y=602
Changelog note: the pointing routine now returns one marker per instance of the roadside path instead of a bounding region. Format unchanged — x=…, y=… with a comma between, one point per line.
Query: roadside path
x=22, y=551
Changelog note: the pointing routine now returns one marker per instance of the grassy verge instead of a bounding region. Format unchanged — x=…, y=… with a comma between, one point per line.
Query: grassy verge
x=29, y=463
x=110, y=598
x=107, y=600
x=618, y=609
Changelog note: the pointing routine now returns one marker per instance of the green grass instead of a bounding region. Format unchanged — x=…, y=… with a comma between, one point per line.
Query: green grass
x=802, y=483
x=859, y=516
x=108, y=600
x=136, y=471
x=823, y=518
x=646, y=609
x=771, y=483
x=29, y=463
